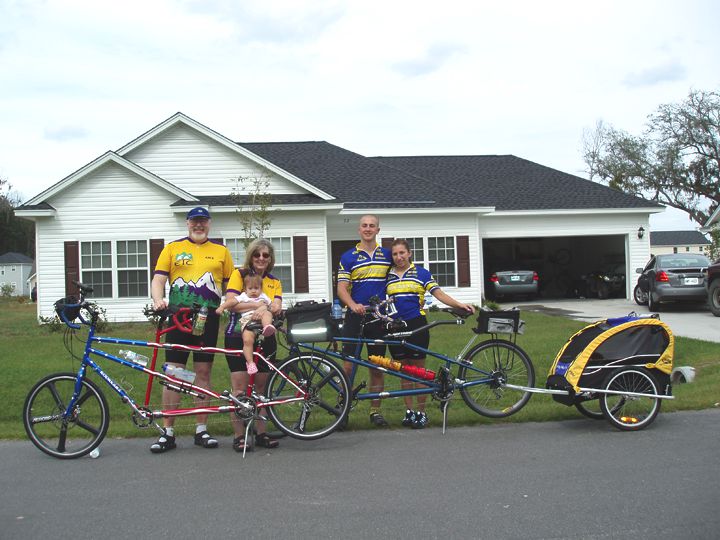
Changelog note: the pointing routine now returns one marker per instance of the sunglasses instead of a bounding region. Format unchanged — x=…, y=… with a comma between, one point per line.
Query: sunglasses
x=261, y=255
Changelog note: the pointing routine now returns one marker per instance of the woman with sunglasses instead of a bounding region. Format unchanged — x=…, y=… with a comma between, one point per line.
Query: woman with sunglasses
x=259, y=260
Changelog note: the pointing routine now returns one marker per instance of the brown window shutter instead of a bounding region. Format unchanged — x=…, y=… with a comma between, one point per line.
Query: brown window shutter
x=463, y=261
x=72, y=267
x=300, y=262
x=387, y=243
x=156, y=246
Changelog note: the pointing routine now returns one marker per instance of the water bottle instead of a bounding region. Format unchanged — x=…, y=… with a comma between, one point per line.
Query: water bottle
x=199, y=323
x=134, y=357
x=179, y=373
x=336, y=311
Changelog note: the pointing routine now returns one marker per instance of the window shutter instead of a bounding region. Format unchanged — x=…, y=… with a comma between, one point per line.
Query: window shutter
x=387, y=242
x=156, y=246
x=463, y=260
x=300, y=263
x=72, y=267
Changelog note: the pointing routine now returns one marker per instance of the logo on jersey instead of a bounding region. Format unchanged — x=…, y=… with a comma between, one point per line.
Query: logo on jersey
x=183, y=259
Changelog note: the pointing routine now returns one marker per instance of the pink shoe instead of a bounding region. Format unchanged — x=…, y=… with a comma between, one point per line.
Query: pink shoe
x=269, y=330
x=252, y=368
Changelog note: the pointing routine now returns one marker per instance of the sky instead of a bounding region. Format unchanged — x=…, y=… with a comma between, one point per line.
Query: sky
x=528, y=78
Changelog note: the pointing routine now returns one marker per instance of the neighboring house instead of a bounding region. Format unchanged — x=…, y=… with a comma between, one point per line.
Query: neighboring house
x=106, y=223
x=15, y=269
x=663, y=242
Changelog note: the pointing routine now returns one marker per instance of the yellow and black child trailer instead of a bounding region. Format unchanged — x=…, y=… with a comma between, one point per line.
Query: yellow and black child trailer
x=617, y=369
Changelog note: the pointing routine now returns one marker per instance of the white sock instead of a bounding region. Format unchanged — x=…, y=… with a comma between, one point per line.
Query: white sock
x=169, y=431
x=200, y=428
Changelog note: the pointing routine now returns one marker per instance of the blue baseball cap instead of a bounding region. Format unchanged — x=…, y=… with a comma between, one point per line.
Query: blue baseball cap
x=198, y=212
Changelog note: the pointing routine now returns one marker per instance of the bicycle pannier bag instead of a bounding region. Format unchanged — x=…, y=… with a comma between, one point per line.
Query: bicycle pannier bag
x=310, y=321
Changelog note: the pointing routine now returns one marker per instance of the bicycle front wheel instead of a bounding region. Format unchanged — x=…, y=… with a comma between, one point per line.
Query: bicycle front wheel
x=630, y=412
x=53, y=432
x=492, y=365
x=325, y=389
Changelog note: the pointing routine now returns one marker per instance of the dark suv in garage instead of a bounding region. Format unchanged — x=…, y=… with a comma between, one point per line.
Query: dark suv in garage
x=713, y=287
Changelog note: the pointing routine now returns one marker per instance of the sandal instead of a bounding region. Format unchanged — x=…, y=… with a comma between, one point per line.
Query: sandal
x=264, y=440
x=163, y=444
x=240, y=446
x=205, y=440
x=268, y=331
x=377, y=419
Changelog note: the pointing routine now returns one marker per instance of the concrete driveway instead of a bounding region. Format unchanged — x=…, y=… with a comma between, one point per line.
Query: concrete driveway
x=687, y=320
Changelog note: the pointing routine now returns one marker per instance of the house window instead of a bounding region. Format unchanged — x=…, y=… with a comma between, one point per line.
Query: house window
x=283, y=258
x=687, y=249
x=96, y=265
x=674, y=250
x=437, y=254
x=132, y=264
x=115, y=269
x=441, y=259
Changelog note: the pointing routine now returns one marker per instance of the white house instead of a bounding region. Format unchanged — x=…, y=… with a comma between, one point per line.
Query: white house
x=106, y=223
x=14, y=272
x=665, y=242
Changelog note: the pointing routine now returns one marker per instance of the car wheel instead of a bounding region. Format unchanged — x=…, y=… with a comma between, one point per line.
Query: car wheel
x=714, y=297
x=653, y=305
x=641, y=298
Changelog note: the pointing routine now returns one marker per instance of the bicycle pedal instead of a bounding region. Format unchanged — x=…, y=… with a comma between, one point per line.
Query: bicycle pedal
x=358, y=388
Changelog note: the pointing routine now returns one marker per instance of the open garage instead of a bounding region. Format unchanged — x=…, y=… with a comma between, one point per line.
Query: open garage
x=563, y=263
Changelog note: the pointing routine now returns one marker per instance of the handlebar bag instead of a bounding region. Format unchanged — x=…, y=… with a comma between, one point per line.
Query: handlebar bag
x=310, y=321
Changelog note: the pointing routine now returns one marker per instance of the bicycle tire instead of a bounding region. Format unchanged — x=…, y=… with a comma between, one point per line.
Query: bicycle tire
x=326, y=403
x=57, y=437
x=496, y=361
x=590, y=408
x=630, y=413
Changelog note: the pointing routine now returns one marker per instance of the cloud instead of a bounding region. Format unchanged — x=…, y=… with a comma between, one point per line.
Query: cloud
x=434, y=58
x=65, y=133
x=668, y=72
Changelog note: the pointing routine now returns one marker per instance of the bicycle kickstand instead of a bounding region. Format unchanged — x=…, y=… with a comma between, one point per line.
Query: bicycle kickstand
x=248, y=432
x=444, y=409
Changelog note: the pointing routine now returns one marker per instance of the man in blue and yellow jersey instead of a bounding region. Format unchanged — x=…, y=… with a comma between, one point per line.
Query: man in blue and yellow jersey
x=197, y=270
x=361, y=275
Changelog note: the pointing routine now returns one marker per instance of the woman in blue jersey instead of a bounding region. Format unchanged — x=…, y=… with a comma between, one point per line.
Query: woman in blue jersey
x=406, y=285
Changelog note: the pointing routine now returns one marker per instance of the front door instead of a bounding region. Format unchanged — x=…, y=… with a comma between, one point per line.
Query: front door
x=337, y=248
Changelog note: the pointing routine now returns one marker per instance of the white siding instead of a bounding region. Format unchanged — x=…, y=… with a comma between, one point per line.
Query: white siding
x=200, y=165
x=111, y=204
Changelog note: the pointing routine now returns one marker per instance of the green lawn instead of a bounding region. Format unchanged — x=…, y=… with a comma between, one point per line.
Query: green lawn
x=31, y=352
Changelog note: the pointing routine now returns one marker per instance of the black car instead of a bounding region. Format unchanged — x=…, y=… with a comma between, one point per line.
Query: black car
x=606, y=282
x=672, y=278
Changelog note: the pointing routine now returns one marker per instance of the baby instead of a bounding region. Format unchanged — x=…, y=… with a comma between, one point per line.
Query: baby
x=248, y=300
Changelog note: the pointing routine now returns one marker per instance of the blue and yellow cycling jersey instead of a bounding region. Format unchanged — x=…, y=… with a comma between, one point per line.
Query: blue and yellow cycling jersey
x=365, y=272
x=197, y=272
x=408, y=291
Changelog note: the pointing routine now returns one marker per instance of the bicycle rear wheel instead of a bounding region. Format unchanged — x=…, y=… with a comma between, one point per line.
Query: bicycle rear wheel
x=65, y=437
x=495, y=363
x=325, y=404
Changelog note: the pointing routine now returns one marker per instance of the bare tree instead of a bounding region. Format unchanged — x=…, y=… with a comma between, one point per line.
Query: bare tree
x=254, y=204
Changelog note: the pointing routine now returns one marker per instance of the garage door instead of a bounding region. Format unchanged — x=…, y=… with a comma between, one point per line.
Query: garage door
x=564, y=264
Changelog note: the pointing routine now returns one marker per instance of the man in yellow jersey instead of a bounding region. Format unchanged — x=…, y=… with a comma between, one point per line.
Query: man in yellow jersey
x=361, y=275
x=197, y=270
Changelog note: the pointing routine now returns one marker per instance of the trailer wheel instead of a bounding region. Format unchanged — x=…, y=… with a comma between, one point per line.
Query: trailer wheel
x=630, y=412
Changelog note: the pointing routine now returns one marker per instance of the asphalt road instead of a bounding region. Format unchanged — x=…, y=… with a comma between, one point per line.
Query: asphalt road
x=687, y=320
x=571, y=479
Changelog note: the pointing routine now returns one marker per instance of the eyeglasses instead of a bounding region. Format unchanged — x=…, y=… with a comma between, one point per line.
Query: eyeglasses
x=261, y=255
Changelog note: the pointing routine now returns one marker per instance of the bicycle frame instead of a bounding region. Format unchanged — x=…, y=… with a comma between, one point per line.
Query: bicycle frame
x=430, y=386
x=171, y=382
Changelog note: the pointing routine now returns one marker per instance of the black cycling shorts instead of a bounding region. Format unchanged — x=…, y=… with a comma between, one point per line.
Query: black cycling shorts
x=208, y=339
x=238, y=363
x=421, y=339
x=351, y=328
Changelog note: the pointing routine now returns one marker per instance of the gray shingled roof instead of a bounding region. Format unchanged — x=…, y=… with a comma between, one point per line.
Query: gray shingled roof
x=353, y=178
x=12, y=257
x=678, y=238
x=512, y=183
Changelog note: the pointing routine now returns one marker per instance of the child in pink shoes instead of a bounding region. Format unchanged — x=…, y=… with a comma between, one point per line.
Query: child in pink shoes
x=253, y=305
